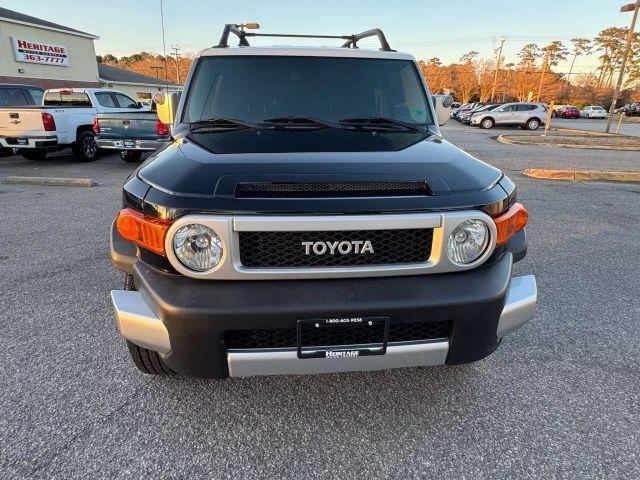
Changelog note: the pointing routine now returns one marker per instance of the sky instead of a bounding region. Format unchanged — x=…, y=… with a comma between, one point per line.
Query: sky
x=424, y=28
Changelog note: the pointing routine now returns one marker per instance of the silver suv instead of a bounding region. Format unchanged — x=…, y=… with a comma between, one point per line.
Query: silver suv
x=525, y=115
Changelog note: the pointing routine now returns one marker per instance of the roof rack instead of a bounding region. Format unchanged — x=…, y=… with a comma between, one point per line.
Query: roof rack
x=239, y=30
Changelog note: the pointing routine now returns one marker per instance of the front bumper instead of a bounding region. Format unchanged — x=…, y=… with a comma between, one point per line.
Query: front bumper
x=128, y=144
x=185, y=319
x=29, y=142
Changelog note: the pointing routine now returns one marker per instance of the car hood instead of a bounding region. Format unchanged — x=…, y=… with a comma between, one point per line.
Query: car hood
x=190, y=168
x=201, y=172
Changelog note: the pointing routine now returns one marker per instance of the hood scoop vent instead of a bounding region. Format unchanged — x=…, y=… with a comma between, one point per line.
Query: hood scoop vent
x=331, y=189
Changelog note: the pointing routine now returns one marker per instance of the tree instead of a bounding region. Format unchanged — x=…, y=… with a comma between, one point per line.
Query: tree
x=529, y=55
x=465, y=82
x=437, y=76
x=581, y=46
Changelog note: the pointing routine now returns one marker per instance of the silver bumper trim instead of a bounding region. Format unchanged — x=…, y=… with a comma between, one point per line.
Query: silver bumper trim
x=137, y=323
x=115, y=144
x=245, y=363
x=519, y=306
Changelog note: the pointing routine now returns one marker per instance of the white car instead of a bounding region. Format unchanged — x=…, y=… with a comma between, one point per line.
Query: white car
x=593, y=111
x=526, y=115
x=65, y=119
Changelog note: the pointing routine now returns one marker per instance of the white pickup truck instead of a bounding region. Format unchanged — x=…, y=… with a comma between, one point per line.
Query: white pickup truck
x=65, y=119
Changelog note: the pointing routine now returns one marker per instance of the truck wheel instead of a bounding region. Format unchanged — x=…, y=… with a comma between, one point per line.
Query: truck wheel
x=487, y=123
x=148, y=361
x=532, y=124
x=130, y=156
x=85, y=148
x=33, y=154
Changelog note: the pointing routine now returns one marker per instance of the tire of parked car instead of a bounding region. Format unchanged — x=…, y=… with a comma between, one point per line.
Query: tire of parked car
x=33, y=154
x=532, y=124
x=85, y=148
x=147, y=361
x=130, y=156
x=487, y=123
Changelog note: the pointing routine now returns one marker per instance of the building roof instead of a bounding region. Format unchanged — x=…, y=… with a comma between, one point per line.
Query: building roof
x=17, y=17
x=109, y=73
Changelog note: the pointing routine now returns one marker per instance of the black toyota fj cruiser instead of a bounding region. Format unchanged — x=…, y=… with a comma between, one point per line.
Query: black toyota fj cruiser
x=309, y=217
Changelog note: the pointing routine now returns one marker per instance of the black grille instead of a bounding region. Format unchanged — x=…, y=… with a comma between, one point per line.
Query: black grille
x=287, y=337
x=330, y=189
x=286, y=249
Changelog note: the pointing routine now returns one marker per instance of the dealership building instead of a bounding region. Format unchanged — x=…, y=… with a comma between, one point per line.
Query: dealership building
x=48, y=55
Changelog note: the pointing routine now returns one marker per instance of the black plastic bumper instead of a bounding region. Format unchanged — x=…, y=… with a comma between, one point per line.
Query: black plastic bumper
x=196, y=313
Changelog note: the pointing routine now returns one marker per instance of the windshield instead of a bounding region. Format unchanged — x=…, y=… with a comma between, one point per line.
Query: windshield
x=255, y=89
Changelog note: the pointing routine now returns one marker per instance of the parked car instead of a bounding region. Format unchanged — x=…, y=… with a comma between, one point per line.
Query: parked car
x=316, y=224
x=525, y=115
x=17, y=95
x=467, y=107
x=593, y=111
x=634, y=110
x=130, y=134
x=623, y=109
x=466, y=116
x=568, y=112
x=65, y=119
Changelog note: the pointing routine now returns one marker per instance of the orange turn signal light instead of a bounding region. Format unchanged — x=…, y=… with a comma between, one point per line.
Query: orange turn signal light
x=510, y=222
x=148, y=232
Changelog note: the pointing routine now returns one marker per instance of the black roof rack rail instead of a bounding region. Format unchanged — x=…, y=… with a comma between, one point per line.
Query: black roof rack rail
x=351, y=40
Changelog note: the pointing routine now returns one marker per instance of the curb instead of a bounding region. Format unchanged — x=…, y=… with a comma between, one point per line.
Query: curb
x=583, y=175
x=508, y=141
x=588, y=132
x=50, y=181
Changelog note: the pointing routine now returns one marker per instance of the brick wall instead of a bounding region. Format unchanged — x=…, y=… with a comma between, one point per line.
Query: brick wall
x=49, y=83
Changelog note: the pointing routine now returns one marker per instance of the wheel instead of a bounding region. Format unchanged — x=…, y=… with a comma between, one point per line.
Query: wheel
x=130, y=156
x=147, y=361
x=532, y=124
x=33, y=154
x=85, y=148
x=487, y=123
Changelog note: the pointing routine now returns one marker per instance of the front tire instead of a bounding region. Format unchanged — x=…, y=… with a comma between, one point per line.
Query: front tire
x=33, y=154
x=145, y=360
x=148, y=361
x=532, y=124
x=487, y=123
x=85, y=148
x=130, y=156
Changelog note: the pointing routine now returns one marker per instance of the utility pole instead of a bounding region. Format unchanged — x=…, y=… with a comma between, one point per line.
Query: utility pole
x=544, y=71
x=625, y=8
x=155, y=68
x=175, y=51
x=495, y=75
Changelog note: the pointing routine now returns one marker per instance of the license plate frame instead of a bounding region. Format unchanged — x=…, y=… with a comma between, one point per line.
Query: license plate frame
x=379, y=326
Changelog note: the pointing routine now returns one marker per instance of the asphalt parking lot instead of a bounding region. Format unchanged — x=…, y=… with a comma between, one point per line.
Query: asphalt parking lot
x=560, y=398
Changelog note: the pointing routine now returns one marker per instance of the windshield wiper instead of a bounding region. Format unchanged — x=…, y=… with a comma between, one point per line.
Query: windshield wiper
x=302, y=122
x=381, y=122
x=224, y=124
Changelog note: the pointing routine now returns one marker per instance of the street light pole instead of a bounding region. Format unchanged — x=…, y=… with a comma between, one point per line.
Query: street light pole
x=625, y=8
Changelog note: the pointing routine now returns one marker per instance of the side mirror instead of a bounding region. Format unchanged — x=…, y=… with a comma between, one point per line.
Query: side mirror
x=442, y=104
x=166, y=106
x=139, y=105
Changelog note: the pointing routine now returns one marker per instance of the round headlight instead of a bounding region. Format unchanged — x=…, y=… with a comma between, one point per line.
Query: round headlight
x=468, y=241
x=197, y=247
